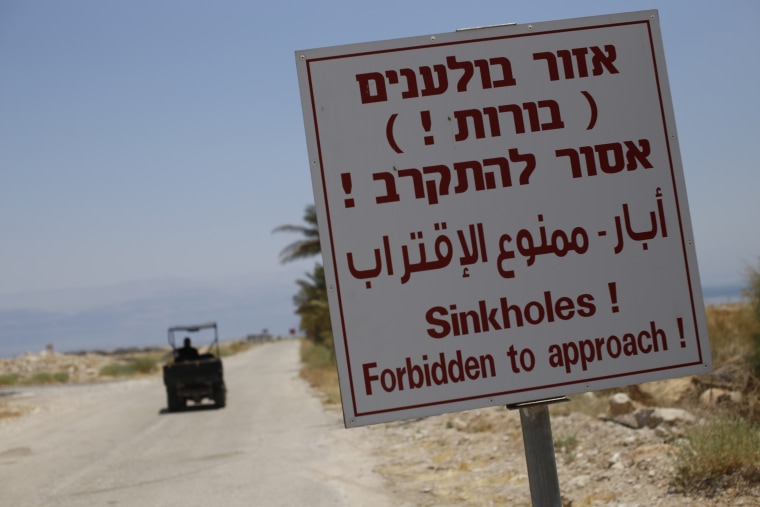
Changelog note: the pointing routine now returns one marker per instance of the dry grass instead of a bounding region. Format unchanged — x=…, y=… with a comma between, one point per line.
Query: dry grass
x=44, y=377
x=231, y=348
x=133, y=365
x=325, y=382
x=591, y=404
x=730, y=328
x=722, y=452
x=320, y=371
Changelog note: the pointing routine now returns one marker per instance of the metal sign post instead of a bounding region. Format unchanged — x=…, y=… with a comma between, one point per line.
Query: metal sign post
x=539, y=451
x=539, y=455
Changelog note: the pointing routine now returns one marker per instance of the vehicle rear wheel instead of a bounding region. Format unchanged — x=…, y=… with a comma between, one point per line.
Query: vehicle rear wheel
x=174, y=402
x=220, y=395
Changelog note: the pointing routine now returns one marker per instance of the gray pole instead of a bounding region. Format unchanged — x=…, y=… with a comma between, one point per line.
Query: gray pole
x=539, y=453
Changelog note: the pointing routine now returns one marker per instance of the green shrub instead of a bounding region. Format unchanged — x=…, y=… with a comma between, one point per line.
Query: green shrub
x=718, y=452
x=316, y=356
x=143, y=364
x=566, y=446
x=48, y=378
x=117, y=370
x=568, y=443
x=8, y=379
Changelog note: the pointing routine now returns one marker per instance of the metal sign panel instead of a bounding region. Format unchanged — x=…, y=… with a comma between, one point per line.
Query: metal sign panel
x=503, y=215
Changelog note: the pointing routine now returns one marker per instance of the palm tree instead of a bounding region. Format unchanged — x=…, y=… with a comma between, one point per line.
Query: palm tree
x=302, y=248
x=311, y=306
x=311, y=300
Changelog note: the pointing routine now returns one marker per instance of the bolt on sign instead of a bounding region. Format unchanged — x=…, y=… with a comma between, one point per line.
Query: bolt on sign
x=503, y=215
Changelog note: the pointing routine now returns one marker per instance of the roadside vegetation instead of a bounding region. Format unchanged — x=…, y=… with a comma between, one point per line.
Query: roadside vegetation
x=141, y=364
x=150, y=363
x=317, y=351
x=119, y=364
x=320, y=371
x=724, y=450
x=231, y=348
x=60, y=377
x=311, y=299
x=38, y=378
x=721, y=451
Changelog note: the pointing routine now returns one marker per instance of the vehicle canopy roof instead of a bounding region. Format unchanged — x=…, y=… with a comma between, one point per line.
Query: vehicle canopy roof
x=194, y=328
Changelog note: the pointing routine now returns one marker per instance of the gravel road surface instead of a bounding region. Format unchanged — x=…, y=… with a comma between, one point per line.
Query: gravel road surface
x=115, y=444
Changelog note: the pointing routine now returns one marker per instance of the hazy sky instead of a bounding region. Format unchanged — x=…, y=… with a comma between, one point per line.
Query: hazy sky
x=145, y=140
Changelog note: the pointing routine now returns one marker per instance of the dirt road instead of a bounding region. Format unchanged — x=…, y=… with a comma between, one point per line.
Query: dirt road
x=114, y=444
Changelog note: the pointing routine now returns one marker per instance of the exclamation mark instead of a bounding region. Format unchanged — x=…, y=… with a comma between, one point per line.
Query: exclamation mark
x=679, y=321
x=426, y=124
x=345, y=178
x=613, y=296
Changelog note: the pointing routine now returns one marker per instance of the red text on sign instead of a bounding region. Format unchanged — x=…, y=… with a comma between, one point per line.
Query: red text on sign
x=425, y=374
x=485, y=318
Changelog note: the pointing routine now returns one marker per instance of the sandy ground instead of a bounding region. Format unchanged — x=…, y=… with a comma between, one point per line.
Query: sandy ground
x=114, y=443
x=473, y=458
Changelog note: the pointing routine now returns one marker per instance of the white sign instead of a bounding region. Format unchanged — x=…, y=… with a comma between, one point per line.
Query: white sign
x=503, y=215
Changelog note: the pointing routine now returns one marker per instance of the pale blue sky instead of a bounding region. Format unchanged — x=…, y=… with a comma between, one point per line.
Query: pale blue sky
x=155, y=140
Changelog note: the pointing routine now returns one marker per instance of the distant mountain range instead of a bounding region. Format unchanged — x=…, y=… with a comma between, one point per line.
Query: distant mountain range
x=722, y=293
x=139, y=314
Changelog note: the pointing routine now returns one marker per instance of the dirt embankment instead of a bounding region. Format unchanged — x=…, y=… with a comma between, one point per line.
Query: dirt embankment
x=50, y=366
x=77, y=368
x=477, y=458
x=612, y=448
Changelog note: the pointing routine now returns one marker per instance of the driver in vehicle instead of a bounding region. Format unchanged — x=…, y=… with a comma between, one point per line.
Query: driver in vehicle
x=187, y=352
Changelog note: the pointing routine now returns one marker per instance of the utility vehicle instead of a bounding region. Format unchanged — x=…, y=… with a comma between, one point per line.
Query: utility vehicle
x=190, y=375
